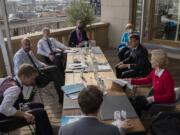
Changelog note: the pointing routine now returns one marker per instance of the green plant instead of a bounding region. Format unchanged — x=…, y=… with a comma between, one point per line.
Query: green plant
x=80, y=10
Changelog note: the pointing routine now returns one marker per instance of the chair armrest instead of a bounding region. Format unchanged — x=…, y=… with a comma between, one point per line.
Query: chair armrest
x=156, y=108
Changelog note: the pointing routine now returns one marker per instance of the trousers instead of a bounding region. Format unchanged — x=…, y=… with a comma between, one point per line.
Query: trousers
x=48, y=74
x=42, y=123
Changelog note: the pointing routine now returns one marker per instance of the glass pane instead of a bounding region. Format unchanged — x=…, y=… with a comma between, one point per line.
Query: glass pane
x=29, y=16
x=166, y=19
x=138, y=15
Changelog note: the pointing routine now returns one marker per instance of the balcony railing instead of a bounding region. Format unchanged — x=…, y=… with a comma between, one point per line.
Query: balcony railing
x=97, y=31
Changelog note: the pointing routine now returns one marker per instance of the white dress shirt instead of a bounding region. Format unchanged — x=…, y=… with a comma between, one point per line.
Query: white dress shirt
x=43, y=48
x=159, y=73
x=21, y=57
x=10, y=97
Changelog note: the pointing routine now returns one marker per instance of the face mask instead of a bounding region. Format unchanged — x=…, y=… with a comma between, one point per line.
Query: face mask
x=129, y=30
x=79, y=27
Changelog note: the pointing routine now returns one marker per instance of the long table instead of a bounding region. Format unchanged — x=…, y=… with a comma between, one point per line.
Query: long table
x=89, y=79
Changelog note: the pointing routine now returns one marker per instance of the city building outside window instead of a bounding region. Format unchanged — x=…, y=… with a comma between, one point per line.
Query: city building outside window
x=29, y=16
x=161, y=20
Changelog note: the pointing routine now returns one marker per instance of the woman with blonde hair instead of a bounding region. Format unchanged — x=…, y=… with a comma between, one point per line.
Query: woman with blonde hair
x=161, y=80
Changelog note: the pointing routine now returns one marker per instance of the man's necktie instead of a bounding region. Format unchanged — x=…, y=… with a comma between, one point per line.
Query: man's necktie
x=79, y=36
x=50, y=46
x=32, y=61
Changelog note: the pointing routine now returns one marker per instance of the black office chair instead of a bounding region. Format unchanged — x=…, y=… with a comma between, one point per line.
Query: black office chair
x=9, y=125
x=165, y=123
x=156, y=108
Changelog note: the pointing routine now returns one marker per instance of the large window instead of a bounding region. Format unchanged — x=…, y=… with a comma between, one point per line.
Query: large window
x=29, y=16
x=166, y=19
x=161, y=21
x=138, y=16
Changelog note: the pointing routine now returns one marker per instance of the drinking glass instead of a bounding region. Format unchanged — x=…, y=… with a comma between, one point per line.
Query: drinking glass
x=123, y=115
x=117, y=115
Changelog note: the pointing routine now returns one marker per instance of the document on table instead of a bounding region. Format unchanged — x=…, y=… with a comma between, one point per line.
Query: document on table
x=123, y=83
x=73, y=88
x=71, y=51
x=104, y=67
x=74, y=66
x=70, y=104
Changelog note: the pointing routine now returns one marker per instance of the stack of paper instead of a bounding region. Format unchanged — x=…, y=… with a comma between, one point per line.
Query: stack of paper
x=75, y=66
x=104, y=67
x=123, y=83
x=71, y=51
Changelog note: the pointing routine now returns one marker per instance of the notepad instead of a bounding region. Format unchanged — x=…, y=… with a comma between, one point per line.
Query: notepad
x=104, y=67
x=74, y=66
x=71, y=51
x=123, y=83
x=70, y=104
x=73, y=88
x=69, y=119
x=96, y=50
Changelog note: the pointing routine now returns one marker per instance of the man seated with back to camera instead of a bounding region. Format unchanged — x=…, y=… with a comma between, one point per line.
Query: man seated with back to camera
x=52, y=50
x=46, y=73
x=78, y=36
x=11, y=96
x=137, y=63
x=90, y=100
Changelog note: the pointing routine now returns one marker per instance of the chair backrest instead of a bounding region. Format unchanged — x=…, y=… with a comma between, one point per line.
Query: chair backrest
x=177, y=93
x=165, y=123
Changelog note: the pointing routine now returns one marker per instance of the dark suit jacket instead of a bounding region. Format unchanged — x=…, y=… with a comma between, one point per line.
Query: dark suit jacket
x=89, y=126
x=73, y=41
x=139, y=61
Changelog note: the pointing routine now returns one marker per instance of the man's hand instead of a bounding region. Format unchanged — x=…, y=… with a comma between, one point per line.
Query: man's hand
x=59, y=50
x=150, y=99
x=128, y=80
x=29, y=117
x=79, y=45
x=120, y=63
x=51, y=57
x=124, y=124
x=123, y=66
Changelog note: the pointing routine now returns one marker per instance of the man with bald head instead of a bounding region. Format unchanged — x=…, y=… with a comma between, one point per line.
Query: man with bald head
x=46, y=73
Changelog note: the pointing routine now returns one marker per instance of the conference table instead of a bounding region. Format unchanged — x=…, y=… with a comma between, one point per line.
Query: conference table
x=88, y=78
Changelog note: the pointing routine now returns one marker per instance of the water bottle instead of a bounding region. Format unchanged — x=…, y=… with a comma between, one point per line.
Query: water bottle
x=123, y=115
x=117, y=116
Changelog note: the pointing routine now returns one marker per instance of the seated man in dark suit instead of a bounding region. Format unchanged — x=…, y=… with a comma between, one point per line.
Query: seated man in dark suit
x=137, y=64
x=11, y=96
x=90, y=100
x=77, y=36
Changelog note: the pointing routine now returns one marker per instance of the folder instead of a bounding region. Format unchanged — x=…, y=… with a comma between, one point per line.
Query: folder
x=116, y=103
x=73, y=88
x=69, y=119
